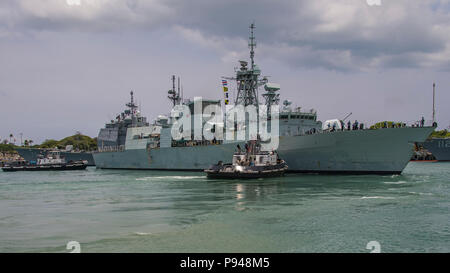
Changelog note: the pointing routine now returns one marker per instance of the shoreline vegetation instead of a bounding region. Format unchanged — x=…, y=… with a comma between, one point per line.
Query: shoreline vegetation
x=79, y=142
x=391, y=124
x=441, y=134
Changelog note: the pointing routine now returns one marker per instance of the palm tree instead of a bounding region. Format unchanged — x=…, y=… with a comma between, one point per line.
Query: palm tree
x=25, y=142
x=30, y=142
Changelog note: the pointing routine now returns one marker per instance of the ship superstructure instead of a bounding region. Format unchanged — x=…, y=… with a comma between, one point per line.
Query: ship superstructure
x=114, y=135
x=248, y=79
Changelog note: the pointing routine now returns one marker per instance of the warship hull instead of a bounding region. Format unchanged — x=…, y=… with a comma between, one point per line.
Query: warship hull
x=439, y=147
x=31, y=154
x=381, y=151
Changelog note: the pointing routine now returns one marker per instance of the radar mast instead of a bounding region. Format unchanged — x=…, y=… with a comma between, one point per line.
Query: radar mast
x=174, y=96
x=252, y=44
x=247, y=78
x=132, y=105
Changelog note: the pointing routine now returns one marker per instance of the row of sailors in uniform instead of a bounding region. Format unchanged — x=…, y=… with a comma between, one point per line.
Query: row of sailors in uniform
x=355, y=126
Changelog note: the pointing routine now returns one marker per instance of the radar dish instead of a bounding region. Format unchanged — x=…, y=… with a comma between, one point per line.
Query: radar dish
x=272, y=86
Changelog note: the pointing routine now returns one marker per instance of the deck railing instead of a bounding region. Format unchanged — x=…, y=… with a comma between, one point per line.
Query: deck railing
x=402, y=124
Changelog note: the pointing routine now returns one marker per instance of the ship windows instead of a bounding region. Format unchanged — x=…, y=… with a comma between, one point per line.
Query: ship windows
x=307, y=117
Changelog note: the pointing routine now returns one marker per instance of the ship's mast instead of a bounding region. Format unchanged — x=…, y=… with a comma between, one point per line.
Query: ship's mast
x=434, y=112
x=132, y=105
x=174, y=96
x=179, y=94
x=252, y=44
x=271, y=96
x=247, y=77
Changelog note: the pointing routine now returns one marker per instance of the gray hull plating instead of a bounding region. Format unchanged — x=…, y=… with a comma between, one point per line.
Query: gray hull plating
x=439, y=147
x=361, y=151
x=180, y=158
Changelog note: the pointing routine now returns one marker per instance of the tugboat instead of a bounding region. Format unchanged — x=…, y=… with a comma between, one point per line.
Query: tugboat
x=52, y=162
x=252, y=163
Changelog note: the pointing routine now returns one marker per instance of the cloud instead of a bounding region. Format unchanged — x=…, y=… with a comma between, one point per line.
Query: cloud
x=231, y=49
x=82, y=15
x=331, y=34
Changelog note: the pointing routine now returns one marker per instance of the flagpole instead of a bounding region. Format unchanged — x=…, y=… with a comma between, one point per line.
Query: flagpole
x=434, y=112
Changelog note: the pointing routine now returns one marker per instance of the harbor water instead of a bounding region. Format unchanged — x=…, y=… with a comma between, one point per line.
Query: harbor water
x=154, y=211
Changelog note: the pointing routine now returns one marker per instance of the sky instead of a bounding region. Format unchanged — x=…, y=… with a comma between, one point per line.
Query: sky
x=68, y=66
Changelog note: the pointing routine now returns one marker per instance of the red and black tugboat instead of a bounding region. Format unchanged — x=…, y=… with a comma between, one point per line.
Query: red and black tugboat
x=250, y=163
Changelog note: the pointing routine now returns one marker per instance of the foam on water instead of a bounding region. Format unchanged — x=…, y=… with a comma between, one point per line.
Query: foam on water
x=420, y=193
x=143, y=233
x=148, y=178
x=396, y=183
x=376, y=197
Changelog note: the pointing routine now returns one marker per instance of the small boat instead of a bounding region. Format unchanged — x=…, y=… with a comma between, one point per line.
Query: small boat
x=51, y=162
x=249, y=165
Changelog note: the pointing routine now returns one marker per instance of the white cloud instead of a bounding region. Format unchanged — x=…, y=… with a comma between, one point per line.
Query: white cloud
x=231, y=49
x=84, y=15
x=339, y=34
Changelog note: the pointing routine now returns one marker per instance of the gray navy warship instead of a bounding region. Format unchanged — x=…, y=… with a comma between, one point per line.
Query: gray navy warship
x=130, y=142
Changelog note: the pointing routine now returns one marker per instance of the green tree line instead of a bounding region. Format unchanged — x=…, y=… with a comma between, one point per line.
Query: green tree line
x=7, y=148
x=79, y=141
x=440, y=134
